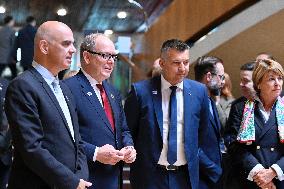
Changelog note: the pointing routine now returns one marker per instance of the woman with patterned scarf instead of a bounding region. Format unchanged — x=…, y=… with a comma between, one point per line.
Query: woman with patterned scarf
x=260, y=141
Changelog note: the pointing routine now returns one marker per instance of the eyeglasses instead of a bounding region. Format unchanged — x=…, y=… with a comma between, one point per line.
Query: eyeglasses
x=222, y=77
x=104, y=55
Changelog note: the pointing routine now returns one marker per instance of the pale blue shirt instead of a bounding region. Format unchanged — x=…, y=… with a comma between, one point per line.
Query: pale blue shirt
x=49, y=78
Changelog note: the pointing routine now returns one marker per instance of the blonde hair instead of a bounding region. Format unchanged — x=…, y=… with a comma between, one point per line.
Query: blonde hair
x=262, y=67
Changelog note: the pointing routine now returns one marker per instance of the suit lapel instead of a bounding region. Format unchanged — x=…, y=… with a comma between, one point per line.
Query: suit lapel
x=71, y=111
x=157, y=101
x=269, y=124
x=52, y=97
x=187, y=96
x=90, y=94
x=215, y=120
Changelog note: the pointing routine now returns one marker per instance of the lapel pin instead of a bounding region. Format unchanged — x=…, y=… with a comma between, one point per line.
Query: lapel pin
x=111, y=95
x=89, y=93
x=154, y=92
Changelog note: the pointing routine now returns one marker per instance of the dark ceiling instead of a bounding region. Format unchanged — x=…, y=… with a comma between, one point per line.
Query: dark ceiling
x=94, y=15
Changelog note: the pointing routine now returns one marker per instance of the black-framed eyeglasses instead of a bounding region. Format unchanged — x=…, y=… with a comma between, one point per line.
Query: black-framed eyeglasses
x=104, y=55
x=222, y=77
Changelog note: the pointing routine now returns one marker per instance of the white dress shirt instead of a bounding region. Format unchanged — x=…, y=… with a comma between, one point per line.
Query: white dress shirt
x=166, y=92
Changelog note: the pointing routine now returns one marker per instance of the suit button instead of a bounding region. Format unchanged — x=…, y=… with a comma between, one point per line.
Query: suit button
x=257, y=147
x=271, y=149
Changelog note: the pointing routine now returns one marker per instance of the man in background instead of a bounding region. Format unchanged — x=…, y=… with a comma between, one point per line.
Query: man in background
x=41, y=114
x=231, y=131
x=209, y=70
x=7, y=40
x=25, y=41
x=103, y=127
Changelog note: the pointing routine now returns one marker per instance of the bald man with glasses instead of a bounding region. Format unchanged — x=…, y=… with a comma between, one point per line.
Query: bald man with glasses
x=102, y=122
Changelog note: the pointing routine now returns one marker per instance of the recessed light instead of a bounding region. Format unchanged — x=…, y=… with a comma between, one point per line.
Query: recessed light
x=108, y=32
x=121, y=14
x=2, y=10
x=61, y=12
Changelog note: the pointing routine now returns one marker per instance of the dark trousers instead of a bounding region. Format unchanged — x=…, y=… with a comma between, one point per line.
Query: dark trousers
x=164, y=179
x=4, y=175
x=12, y=67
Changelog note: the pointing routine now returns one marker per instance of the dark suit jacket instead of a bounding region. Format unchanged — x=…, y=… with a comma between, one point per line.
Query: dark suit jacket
x=25, y=41
x=96, y=130
x=45, y=155
x=5, y=134
x=210, y=144
x=143, y=109
x=269, y=152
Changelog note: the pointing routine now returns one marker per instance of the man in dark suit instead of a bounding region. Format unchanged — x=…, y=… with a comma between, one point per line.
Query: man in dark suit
x=166, y=115
x=101, y=117
x=7, y=40
x=5, y=138
x=209, y=70
x=25, y=41
x=42, y=117
x=233, y=176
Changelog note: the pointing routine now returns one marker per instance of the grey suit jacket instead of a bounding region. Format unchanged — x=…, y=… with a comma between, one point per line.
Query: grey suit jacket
x=7, y=39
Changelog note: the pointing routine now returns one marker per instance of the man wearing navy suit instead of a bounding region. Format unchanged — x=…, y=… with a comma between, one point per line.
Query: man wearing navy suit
x=101, y=117
x=40, y=110
x=209, y=70
x=165, y=115
x=25, y=41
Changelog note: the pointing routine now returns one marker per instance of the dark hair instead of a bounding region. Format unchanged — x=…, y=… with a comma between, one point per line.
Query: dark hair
x=204, y=65
x=174, y=44
x=8, y=19
x=248, y=66
x=30, y=19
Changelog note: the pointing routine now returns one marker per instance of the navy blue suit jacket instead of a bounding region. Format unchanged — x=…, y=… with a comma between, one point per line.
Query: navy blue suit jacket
x=96, y=130
x=269, y=151
x=25, y=41
x=143, y=109
x=45, y=155
x=211, y=172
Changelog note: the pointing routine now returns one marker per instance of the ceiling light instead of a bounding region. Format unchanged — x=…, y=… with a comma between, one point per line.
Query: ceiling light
x=108, y=32
x=62, y=12
x=121, y=14
x=2, y=9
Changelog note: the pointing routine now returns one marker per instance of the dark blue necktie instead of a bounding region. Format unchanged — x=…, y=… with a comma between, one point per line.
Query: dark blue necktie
x=172, y=137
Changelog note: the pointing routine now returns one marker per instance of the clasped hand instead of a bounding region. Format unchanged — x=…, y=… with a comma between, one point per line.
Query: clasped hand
x=107, y=154
x=264, y=178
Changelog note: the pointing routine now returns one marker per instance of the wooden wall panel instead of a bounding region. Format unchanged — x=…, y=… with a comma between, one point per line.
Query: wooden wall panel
x=182, y=19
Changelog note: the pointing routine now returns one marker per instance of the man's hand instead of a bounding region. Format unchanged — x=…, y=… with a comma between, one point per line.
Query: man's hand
x=264, y=177
x=83, y=184
x=270, y=185
x=107, y=154
x=129, y=154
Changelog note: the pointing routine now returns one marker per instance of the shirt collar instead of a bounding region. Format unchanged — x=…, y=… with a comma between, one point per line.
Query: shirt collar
x=166, y=85
x=47, y=75
x=92, y=81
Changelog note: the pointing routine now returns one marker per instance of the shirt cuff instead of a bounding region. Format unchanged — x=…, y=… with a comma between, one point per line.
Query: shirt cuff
x=95, y=154
x=278, y=171
x=254, y=171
